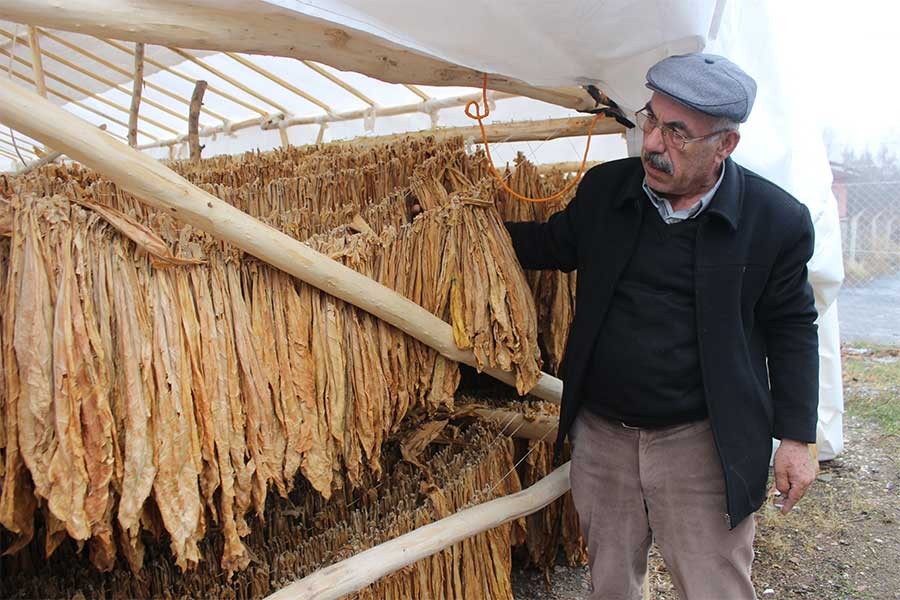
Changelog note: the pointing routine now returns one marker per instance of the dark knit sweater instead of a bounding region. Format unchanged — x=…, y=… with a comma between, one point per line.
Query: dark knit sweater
x=645, y=368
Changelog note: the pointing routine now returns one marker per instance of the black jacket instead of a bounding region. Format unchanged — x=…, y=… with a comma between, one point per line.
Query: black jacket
x=755, y=310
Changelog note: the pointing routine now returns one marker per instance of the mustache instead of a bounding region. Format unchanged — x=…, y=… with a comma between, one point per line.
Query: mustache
x=658, y=161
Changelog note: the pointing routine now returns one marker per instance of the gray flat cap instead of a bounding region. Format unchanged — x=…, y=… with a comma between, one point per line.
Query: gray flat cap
x=705, y=82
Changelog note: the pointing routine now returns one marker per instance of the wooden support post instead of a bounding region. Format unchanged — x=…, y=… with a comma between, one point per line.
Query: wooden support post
x=194, y=118
x=180, y=75
x=160, y=187
x=282, y=133
x=137, y=89
x=228, y=78
x=356, y=572
x=37, y=65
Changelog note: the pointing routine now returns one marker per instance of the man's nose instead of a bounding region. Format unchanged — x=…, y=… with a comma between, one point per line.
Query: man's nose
x=653, y=140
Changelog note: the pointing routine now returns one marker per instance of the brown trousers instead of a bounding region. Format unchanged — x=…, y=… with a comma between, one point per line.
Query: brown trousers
x=633, y=486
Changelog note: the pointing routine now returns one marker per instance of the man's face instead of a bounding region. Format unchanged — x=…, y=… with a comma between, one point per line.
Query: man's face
x=672, y=171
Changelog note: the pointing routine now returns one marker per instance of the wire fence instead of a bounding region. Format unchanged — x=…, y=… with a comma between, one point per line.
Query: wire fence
x=870, y=228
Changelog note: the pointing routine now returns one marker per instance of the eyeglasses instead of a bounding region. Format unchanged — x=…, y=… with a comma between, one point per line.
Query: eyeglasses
x=672, y=137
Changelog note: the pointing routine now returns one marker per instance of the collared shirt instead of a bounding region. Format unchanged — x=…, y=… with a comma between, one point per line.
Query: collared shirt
x=670, y=216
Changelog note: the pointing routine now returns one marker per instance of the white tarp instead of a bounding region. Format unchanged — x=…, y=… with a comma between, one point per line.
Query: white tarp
x=612, y=44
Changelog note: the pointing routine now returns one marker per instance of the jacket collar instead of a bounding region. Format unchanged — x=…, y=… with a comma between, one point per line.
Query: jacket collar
x=728, y=200
x=726, y=204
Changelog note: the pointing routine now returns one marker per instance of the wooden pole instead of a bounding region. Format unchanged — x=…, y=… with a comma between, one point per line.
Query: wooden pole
x=45, y=160
x=37, y=65
x=193, y=120
x=94, y=96
x=356, y=572
x=538, y=428
x=263, y=28
x=8, y=155
x=17, y=147
x=114, y=67
x=271, y=122
x=417, y=91
x=276, y=79
x=82, y=105
x=520, y=131
x=226, y=77
x=180, y=75
x=324, y=119
x=567, y=166
x=338, y=81
x=136, y=91
x=93, y=75
x=160, y=187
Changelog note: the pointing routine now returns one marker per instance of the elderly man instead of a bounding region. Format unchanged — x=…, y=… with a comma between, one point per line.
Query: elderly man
x=693, y=344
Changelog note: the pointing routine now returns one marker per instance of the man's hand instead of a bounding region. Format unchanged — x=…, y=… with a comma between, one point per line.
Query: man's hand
x=794, y=472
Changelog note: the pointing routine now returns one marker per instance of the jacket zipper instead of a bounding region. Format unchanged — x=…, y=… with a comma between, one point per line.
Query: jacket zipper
x=700, y=332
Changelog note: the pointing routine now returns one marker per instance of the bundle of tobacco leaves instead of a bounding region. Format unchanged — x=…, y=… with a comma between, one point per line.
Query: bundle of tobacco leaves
x=304, y=532
x=157, y=383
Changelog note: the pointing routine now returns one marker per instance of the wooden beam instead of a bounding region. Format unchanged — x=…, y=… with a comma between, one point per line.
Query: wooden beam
x=571, y=166
x=160, y=187
x=89, y=94
x=338, y=81
x=518, y=131
x=107, y=82
x=225, y=77
x=192, y=80
x=193, y=118
x=44, y=160
x=114, y=67
x=417, y=91
x=276, y=79
x=538, y=428
x=12, y=147
x=263, y=28
x=353, y=574
x=272, y=122
x=20, y=139
x=37, y=65
x=137, y=90
x=8, y=155
x=82, y=105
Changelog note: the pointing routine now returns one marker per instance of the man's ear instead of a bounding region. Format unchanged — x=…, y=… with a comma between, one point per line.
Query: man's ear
x=727, y=143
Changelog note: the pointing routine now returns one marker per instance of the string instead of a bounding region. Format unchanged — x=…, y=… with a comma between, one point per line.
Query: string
x=473, y=111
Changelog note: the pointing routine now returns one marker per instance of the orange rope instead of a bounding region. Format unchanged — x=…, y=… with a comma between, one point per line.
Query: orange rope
x=473, y=111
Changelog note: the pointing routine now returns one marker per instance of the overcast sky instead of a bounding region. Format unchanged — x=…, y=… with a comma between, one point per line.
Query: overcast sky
x=851, y=52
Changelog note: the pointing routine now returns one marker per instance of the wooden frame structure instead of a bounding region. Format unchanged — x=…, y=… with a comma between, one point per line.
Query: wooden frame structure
x=311, y=41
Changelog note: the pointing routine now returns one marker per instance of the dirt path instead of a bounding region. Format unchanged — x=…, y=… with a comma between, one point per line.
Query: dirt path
x=843, y=541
